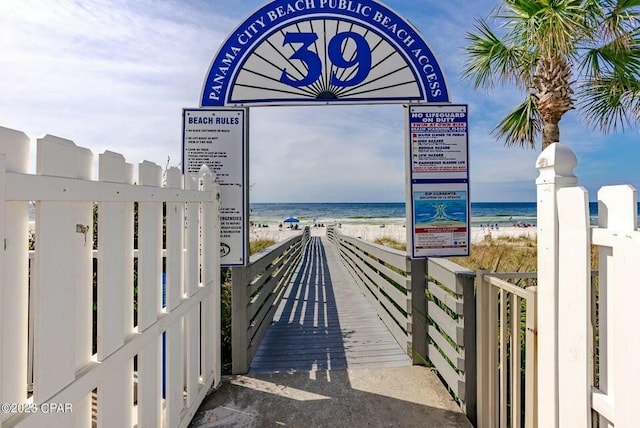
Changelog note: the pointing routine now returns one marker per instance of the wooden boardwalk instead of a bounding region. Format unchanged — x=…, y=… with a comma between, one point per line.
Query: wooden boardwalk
x=324, y=322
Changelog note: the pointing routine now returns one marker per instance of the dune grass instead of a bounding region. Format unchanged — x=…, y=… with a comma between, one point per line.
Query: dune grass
x=503, y=254
x=259, y=245
x=391, y=243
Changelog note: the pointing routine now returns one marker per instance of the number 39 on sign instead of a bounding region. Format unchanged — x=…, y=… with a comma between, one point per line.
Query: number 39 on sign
x=360, y=58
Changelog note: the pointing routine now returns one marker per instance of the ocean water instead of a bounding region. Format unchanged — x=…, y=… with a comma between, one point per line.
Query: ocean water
x=503, y=213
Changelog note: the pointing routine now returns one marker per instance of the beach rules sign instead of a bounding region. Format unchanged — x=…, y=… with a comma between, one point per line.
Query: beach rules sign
x=438, y=180
x=217, y=138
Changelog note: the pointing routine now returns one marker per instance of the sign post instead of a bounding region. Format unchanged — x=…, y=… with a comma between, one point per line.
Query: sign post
x=218, y=138
x=437, y=158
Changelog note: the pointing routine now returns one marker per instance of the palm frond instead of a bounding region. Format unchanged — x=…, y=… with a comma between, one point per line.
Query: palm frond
x=612, y=57
x=610, y=102
x=490, y=59
x=522, y=127
x=553, y=27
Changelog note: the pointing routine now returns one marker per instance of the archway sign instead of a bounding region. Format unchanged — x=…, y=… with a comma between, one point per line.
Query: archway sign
x=319, y=52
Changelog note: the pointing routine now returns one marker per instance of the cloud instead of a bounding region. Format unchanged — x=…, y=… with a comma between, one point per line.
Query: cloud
x=115, y=75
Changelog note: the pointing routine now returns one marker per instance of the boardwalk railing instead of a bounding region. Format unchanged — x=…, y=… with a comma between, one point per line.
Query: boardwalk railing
x=426, y=305
x=588, y=346
x=506, y=331
x=256, y=293
x=71, y=385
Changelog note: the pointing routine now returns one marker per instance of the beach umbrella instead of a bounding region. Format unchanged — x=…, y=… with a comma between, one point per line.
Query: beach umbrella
x=290, y=220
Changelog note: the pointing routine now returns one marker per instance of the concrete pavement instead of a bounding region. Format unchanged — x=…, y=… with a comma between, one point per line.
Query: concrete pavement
x=388, y=397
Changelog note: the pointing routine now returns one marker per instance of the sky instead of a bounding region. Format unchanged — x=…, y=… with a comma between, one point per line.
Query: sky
x=116, y=74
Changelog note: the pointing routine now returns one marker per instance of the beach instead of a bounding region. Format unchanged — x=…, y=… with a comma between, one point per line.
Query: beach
x=371, y=232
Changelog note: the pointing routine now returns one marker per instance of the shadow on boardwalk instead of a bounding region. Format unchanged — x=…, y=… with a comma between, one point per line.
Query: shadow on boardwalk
x=324, y=322
x=329, y=361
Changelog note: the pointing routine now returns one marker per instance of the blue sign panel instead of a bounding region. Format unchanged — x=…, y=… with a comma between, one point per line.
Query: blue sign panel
x=438, y=187
x=323, y=51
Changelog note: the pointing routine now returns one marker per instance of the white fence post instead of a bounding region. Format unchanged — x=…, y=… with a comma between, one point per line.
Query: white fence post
x=14, y=231
x=575, y=368
x=556, y=164
x=115, y=293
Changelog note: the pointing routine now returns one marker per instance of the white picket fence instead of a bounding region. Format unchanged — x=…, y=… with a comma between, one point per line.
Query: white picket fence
x=71, y=385
x=577, y=385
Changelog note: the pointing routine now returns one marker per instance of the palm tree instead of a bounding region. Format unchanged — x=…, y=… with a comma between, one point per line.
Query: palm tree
x=565, y=54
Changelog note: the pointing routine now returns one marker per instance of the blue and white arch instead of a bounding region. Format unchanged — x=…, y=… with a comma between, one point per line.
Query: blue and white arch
x=324, y=51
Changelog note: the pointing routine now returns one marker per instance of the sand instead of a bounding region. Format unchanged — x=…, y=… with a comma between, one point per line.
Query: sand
x=397, y=232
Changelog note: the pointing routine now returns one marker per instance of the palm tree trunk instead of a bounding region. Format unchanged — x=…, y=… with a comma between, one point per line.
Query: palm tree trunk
x=550, y=133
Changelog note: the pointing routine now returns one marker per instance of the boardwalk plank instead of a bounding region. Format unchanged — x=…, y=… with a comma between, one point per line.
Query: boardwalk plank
x=324, y=322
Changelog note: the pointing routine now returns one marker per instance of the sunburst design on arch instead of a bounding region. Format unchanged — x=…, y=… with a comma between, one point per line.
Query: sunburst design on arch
x=390, y=76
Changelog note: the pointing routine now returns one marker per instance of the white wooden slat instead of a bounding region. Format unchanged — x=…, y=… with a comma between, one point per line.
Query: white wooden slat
x=7, y=388
x=115, y=293
x=175, y=373
x=447, y=349
x=54, y=285
x=192, y=283
x=113, y=249
x=492, y=355
x=115, y=397
x=603, y=404
x=65, y=189
x=574, y=312
x=453, y=303
x=175, y=339
x=211, y=323
x=150, y=384
x=614, y=205
x=515, y=364
x=209, y=273
x=192, y=236
x=452, y=378
x=605, y=258
x=149, y=249
x=626, y=349
x=149, y=298
x=14, y=150
x=620, y=208
x=192, y=355
x=175, y=242
x=504, y=330
x=445, y=323
x=84, y=285
x=531, y=364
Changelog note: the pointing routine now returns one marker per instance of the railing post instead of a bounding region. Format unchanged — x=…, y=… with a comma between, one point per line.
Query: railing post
x=470, y=352
x=556, y=164
x=417, y=328
x=486, y=396
x=239, y=322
